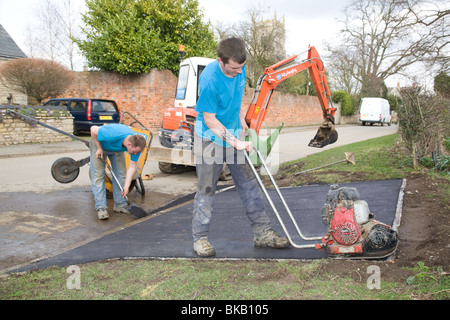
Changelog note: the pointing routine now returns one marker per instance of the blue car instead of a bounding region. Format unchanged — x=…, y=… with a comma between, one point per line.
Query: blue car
x=88, y=112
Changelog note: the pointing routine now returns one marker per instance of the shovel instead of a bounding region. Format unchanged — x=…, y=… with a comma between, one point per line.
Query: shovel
x=349, y=158
x=134, y=209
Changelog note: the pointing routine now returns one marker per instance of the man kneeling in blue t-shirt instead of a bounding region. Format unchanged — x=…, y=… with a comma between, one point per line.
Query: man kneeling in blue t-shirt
x=111, y=141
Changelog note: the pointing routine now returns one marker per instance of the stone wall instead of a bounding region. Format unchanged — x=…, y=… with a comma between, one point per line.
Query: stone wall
x=352, y=119
x=15, y=131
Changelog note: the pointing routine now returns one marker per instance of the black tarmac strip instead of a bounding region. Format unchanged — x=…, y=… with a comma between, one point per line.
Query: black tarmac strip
x=166, y=233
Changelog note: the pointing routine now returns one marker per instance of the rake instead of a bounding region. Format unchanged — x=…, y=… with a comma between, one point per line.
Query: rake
x=133, y=208
x=349, y=158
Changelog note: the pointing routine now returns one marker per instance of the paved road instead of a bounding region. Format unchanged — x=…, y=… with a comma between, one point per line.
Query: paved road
x=39, y=216
x=293, y=142
x=32, y=173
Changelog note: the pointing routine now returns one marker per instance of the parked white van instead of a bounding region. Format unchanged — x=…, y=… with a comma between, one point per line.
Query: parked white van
x=374, y=110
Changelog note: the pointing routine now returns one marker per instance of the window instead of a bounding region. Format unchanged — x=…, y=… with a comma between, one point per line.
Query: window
x=182, y=82
x=57, y=103
x=103, y=106
x=199, y=72
x=78, y=106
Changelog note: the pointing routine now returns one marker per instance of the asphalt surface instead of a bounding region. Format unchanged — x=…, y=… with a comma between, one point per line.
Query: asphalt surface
x=41, y=219
x=166, y=234
x=34, y=149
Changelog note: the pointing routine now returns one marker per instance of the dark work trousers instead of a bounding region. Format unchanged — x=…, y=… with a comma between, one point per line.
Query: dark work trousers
x=209, y=159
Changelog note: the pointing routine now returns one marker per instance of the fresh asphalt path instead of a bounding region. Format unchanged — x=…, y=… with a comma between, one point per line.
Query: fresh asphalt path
x=40, y=217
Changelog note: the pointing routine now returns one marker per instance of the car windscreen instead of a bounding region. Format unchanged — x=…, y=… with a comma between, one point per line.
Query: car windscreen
x=103, y=106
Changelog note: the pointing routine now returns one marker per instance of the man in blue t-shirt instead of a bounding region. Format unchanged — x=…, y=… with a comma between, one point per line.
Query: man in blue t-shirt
x=220, y=122
x=112, y=140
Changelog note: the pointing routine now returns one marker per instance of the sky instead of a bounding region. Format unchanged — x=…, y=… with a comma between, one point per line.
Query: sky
x=308, y=22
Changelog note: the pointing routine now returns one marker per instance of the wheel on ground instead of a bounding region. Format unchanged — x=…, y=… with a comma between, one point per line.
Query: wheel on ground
x=65, y=170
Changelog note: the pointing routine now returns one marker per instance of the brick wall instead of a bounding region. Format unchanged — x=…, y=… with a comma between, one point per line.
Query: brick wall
x=293, y=110
x=148, y=95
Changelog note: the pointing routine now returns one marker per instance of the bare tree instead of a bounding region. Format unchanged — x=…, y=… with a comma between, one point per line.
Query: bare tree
x=341, y=70
x=53, y=37
x=434, y=16
x=381, y=38
x=264, y=38
x=49, y=23
x=69, y=26
x=37, y=78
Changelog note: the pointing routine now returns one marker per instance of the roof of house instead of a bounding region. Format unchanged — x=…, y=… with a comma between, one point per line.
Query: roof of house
x=8, y=48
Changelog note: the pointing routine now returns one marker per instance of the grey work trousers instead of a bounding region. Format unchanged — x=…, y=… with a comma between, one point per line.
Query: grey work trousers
x=209, y=159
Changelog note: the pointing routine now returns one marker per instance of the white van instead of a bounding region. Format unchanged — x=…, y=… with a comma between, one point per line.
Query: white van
x=374, y=110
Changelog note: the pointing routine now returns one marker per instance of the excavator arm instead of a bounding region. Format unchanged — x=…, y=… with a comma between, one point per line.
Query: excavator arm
x=279, y=72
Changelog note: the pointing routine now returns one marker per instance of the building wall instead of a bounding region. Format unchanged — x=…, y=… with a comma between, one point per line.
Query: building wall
x=18, y=98
x=148, y=95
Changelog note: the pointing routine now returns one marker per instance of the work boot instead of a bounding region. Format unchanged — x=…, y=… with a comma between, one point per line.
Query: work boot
x=102, y=214
x=203, y=248
x=120, y=209
x=270, y=238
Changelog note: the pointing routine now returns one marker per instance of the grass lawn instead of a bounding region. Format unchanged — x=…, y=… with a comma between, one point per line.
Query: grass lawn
x=205, y=279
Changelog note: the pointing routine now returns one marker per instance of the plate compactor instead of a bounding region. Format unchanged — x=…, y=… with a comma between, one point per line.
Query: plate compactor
x=352, y=231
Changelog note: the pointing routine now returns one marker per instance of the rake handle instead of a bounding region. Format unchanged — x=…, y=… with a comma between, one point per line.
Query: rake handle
x=114, y=176
x=326, y=165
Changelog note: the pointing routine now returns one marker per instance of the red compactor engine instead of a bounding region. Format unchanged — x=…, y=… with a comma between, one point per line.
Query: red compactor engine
x=352, y=231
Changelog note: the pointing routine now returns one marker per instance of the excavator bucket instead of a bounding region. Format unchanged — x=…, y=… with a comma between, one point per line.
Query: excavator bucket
x=264, y=146
x=326, y=135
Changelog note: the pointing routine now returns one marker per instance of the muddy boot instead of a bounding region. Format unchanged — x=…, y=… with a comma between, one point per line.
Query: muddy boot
x=203, y=248
x=102, y=214
x=121, y=209
x=270, y=239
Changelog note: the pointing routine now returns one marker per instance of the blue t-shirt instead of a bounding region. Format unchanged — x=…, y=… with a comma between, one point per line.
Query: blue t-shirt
x=111, y=137
x=221, y=95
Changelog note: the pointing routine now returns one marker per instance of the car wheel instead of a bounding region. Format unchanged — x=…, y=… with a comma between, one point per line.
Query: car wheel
x=170, y=168
x=76, y=132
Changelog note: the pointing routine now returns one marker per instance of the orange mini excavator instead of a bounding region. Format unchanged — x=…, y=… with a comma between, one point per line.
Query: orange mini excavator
x=178, y=123
x=279, y=72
